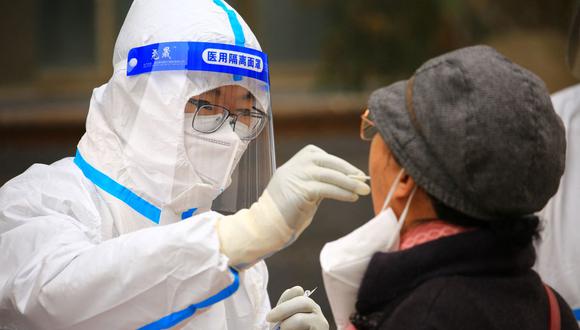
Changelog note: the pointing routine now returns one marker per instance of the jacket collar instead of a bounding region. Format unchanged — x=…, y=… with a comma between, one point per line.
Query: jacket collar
x=473, y=253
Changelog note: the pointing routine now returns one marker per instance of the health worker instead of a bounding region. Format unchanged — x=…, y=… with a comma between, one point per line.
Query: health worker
x=164, y=216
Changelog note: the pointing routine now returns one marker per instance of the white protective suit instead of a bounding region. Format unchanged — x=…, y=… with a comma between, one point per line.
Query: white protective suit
x=80, y=245
x=558, y=251
x=125, y=235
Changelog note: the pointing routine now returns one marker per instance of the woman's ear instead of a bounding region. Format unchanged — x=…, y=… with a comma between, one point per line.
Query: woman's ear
x=405, y=187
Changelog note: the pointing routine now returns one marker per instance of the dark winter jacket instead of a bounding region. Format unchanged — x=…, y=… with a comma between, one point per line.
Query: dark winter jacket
x=465, y=281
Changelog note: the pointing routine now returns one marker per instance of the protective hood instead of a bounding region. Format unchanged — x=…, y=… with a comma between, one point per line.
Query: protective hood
x=138, y=147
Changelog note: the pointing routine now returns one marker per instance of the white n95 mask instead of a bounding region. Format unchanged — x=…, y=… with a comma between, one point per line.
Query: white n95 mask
x=220, y=151
x=345, y=260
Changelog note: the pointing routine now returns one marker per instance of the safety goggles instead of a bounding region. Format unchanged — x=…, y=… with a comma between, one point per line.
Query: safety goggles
x=367, y=127
x=246, y=123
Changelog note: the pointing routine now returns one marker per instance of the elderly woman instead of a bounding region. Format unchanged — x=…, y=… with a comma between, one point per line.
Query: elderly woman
x=468, y=149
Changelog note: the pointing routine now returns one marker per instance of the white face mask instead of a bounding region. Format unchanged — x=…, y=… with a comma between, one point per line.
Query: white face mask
x=219, y=153
x=345, y=260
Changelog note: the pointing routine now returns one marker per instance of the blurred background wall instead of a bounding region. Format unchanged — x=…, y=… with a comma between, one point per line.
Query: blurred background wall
x=326, y=57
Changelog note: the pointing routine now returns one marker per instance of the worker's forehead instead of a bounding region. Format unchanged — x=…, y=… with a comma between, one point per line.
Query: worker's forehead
x=230, y=91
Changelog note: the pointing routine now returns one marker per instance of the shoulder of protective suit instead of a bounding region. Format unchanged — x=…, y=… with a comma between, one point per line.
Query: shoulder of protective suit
x=44, y=191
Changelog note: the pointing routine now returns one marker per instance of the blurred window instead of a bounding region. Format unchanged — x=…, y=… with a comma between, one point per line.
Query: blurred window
x=66, y=33
x=291, y=30
x=121, y=10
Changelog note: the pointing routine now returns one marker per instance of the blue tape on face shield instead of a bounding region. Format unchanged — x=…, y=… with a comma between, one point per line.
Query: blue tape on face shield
x=198, y=56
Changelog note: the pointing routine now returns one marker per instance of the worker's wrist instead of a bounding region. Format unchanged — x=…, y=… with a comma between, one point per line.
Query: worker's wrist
x=250, y=235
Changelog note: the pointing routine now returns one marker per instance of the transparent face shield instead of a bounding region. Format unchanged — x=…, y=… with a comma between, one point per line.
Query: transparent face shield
x=203, y=133
x=228, y=109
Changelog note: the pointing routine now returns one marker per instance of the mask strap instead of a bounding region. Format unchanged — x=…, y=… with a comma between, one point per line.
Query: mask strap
x=407, y=206
x=392, y=190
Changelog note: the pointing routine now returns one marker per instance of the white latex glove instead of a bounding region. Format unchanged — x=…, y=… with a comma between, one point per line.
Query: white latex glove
x=287, y=205
x=311, y=175
x=294, y=311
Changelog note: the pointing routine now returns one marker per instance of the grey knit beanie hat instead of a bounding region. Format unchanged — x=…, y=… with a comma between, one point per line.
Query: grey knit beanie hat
x=475, y=131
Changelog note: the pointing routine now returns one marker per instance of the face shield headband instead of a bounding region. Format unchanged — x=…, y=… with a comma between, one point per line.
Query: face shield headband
x=199, y=56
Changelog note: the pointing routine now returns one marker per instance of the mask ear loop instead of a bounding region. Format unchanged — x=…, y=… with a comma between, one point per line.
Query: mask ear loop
x=392, y=190
x=407, y=206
